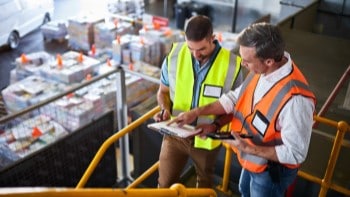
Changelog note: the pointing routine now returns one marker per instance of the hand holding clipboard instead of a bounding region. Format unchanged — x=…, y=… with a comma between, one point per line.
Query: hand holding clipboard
x=174, y=130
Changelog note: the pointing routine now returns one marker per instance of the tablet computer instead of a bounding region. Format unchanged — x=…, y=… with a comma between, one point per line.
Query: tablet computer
x=221, y=135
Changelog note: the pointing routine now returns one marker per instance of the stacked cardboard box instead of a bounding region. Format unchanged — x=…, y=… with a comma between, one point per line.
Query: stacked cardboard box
x=105, y=33
x=29, y=136
x=106, y=67
x=147, y=69
x=81, y=31
x=102, y=94
x=29, y=64
x=54, y=30
x=127, y=7
x=29, y=91
x=71, y=112
x=71, y=67
x=88, y=103
x=151, y=46
x=120, y=48
x=139, y=91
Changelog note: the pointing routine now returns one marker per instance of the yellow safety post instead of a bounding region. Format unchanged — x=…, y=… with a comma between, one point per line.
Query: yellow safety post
x=326, y=181
x=226, y=175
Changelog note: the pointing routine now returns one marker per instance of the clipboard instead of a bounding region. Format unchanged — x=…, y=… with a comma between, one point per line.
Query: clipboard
x=174, y=130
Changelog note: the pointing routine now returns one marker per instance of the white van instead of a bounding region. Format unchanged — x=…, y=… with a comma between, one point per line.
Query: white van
x=20, y=17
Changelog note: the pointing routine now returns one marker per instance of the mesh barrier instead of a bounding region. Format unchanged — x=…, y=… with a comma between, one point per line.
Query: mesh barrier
x=63, y=162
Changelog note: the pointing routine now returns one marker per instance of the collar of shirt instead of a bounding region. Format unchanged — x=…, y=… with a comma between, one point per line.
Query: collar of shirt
x=196, y=64
x=267, y=81
x=201, y=72
x=281, y=72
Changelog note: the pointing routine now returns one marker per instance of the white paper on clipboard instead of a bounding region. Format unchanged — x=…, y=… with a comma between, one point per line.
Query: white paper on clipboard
x=174, y=130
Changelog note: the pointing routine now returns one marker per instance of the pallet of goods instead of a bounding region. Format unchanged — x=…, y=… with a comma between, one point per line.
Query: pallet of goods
x=29, y=64
x=54, y=30
x=29, y=91
x=27, y=137
x=105, y=33
x=70, y=67
x=81, y=31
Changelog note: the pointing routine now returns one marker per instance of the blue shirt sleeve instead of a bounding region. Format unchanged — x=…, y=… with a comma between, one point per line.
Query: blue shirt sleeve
x=164, y=78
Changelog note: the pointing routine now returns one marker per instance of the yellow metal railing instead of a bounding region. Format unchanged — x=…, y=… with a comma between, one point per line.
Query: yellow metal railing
x=146, y=174
x=326, y=181
x=110, y=141
x=176, y=190
x=226, y=174
x=179, y=189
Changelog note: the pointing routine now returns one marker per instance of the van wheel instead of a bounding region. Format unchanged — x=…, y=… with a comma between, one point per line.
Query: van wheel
x=13, y=40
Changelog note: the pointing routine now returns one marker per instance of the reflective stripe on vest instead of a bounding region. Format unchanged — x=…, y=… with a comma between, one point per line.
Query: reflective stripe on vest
x=172, y=67
x=221, y=74
x=269, y=107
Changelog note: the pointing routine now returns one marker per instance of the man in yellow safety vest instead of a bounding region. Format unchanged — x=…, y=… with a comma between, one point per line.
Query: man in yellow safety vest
x=194, y=73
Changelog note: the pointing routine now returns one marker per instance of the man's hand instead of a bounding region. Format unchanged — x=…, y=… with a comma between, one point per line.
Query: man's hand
x=162, y=115
x=267, y=152
x=206, y=128
x=184, y=118
x=238, y=142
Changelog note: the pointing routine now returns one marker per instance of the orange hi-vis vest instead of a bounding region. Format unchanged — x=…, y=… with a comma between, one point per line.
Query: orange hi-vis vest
x=265, y=114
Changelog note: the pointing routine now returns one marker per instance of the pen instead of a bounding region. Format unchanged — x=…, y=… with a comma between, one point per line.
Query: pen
x=161, y=114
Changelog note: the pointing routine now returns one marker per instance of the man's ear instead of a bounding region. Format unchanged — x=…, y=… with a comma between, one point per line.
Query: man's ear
x=211, y=38
x=269, y=61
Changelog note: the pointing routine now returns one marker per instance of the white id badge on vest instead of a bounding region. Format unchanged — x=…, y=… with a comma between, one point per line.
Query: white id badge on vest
x=260, y=122
x=212, y=91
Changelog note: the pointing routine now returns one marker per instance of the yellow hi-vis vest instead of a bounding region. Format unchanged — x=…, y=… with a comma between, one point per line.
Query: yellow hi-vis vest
x=220, y=78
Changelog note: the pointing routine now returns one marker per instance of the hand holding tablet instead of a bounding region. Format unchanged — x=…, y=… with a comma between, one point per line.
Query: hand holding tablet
x=226, y=135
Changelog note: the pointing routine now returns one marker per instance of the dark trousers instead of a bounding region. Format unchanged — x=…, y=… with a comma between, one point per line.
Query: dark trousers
x=174, y=155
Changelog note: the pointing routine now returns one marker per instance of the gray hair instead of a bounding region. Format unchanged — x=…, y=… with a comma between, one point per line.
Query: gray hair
x=266, y=38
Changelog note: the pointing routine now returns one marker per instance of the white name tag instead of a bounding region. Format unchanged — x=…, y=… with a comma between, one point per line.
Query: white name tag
x=212, y=91
x=260, y=122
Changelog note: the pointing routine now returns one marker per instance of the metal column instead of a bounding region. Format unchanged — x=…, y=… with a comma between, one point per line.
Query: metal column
x=234, y=20
x=121, y=114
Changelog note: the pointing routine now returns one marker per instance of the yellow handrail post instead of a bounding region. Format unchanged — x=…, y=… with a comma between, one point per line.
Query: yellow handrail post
x=226, y=173
x=176, y=190
x=182, y=191
x=145, y=175
x=326, y=181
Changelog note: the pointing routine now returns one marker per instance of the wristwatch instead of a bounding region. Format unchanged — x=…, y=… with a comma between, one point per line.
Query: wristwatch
x=216, y=124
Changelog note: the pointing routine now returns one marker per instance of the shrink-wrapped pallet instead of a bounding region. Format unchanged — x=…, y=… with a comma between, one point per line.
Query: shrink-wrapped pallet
x=54, y=30
x=81, y=31
x=29, y=91
x=71, y=67
x=29, y=136
x=29, y=64
x=71, y=112
x=105, y=33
